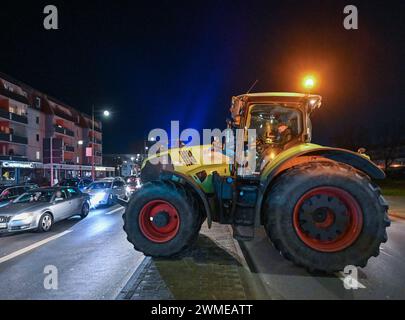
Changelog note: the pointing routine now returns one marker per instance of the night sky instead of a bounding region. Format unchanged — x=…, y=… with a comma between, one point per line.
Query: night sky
x=156, y=61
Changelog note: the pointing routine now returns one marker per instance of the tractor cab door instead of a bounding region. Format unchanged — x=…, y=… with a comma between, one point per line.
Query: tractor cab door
x=277, y=127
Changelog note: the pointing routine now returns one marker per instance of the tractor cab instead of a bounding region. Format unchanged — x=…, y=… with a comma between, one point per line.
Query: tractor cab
x=280, y=120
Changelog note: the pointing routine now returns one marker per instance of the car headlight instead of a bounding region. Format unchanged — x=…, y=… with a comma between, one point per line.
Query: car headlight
x=98, y=196
x=23, y=216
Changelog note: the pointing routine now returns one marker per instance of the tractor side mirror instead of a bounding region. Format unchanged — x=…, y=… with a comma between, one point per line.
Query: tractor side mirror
x=314, y=104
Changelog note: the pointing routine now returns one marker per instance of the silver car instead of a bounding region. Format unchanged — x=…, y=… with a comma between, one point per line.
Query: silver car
x=106, y=191
x=39, y=209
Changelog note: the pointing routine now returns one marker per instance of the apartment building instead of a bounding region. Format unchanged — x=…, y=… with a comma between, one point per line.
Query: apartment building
x=39, y=132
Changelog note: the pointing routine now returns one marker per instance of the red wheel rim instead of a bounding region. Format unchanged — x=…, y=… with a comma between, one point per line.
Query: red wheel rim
x=159, y=221
x=328, y=219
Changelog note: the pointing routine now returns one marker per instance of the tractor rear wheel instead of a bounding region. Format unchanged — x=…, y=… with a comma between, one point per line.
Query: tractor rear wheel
x=162, y=219
x=325, y=216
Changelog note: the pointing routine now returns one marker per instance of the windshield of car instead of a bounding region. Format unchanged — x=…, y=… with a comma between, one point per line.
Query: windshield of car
x=35, y=196
x=69, y=183
x=100, y=185
x=275, y=124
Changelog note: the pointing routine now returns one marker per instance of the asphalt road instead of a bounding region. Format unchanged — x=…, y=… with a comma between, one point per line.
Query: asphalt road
x=93, y=259
x=382, y=278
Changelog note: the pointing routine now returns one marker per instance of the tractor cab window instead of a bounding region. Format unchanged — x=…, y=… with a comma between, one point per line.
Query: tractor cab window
x=275, y=125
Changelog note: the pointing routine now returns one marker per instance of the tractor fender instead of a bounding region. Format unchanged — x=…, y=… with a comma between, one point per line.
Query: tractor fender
x=176, y=177
x=350, y=158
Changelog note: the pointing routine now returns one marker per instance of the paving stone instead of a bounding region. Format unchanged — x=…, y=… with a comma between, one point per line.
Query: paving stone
x=212, y=269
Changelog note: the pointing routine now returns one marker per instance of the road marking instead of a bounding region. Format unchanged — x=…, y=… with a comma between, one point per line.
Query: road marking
x=32, y=247
x=113, y=211
x=387, y=254
x=342, y=276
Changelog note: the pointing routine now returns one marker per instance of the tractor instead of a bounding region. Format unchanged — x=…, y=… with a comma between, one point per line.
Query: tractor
x=319, y=206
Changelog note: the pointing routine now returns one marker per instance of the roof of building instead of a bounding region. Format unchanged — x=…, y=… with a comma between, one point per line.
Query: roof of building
x=76, y=116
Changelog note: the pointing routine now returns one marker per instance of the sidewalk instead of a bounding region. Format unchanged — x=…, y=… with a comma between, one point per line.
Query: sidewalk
x=214, y=269
x=397, y=206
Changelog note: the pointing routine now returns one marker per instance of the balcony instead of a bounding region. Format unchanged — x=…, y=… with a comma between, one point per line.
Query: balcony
x=96, y=141
x=15, y=96
x=7, y=137
x=64, y=115
x=98, y=130
x=13, y=116
x=64, y=131
x=69, y=148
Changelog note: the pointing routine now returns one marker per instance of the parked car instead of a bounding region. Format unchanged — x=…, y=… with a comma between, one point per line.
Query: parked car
x=106, y=191
x=81, y=183
x=11, y=192
x=39, y=209
x=133, y=184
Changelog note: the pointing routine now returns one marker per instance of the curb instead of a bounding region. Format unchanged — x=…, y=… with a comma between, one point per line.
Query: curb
x=125, y=293
x=271, y=294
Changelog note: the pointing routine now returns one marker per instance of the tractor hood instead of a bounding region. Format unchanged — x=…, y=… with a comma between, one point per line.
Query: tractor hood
x=190, y=161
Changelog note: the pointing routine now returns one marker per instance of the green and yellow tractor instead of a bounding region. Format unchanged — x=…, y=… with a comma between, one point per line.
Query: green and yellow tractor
x=319, y=205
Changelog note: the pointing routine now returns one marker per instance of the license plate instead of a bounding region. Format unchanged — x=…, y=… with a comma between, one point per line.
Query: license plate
x=3, y=225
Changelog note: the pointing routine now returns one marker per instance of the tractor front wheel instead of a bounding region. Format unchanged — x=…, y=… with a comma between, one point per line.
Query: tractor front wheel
x=162, y=219
x=325, y=216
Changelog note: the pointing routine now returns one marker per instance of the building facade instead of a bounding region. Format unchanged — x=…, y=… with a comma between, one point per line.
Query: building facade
x=39, y=132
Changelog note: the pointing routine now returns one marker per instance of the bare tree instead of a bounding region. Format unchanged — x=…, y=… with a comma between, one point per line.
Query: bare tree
x=382, y=142
x=388, y=139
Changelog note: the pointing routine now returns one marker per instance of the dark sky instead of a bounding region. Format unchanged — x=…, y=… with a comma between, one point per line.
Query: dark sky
x=156, y=61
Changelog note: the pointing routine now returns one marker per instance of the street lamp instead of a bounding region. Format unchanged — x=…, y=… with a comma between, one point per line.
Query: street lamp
x=106, y=114
x=309, y=82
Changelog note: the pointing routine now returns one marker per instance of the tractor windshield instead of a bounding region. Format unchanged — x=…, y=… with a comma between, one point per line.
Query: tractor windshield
x=275, y=125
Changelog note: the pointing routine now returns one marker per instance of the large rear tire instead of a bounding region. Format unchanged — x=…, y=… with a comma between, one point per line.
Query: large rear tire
x=326, y=215
x=162, y=219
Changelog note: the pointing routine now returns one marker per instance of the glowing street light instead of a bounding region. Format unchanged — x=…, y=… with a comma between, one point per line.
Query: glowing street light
x=106, y=113
x=309, y=82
